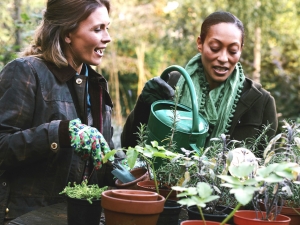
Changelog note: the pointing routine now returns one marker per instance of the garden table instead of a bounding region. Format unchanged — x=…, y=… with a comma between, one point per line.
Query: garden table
x=55, y=215
x=50, y=215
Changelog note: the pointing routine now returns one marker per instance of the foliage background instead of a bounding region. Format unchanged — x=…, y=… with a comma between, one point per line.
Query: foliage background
x=149, y=36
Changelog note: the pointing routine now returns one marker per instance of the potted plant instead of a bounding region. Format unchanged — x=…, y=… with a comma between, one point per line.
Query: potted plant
x=83, y=203
x=200, y=196
x=285, y=147
x=247, y=181
x=205, y=168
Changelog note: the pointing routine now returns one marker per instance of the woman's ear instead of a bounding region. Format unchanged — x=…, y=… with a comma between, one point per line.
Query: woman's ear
x=199, y=44
x=67, y=39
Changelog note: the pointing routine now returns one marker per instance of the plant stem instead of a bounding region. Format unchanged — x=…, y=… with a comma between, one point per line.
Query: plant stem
x=231, y=214
x=296, y=211
x=154, y=178
x=169, y=194
x=201, y=213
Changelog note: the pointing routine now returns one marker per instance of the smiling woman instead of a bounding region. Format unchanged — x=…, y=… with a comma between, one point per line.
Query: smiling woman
x=232, y=104
x=55, y=124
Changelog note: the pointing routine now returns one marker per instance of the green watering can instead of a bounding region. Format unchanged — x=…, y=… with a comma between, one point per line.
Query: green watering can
x=191, y=128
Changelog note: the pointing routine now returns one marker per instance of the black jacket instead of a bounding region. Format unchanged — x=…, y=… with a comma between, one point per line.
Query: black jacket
x=37, y=100
x=255, y=108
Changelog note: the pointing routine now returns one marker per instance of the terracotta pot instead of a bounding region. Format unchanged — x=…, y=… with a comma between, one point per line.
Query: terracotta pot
x=243, y=217
x=137, y=195
x=199, y=222
x=290, y=212
x=194, y=214
x=120, y=211
x=139, y=173
x=81, y=212
x=149, y=185
x=287, y=211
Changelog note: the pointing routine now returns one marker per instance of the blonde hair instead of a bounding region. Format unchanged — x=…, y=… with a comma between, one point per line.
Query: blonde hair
x=60, y=18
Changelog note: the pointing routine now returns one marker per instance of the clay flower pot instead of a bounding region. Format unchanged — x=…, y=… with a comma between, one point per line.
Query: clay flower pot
x=290, y=212
x=287, y=211
x=135, y=195
x=242, y=217
x=149, y=185
x=139, y=173
x=131, y=212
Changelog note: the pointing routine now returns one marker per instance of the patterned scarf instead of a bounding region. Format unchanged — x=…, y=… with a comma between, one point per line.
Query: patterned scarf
x=218, y=105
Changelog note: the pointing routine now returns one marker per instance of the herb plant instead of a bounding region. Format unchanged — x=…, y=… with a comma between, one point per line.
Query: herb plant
x=83, y=191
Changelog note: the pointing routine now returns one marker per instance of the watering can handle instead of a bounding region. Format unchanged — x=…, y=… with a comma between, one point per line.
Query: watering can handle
x=165, y=75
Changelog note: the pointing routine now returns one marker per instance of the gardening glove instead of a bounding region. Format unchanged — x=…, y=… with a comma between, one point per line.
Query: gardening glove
x=88, y=142
x=156, y=89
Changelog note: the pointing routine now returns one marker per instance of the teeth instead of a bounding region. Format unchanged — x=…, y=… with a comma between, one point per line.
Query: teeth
x=221, y=69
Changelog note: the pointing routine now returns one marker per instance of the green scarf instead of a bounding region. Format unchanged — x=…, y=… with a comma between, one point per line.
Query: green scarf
x=218, y=105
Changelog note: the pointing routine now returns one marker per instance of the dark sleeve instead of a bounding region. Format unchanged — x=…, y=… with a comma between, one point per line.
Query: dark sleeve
x=139, y=115
x=63, y=132
x=270, y=116
x=155, y=89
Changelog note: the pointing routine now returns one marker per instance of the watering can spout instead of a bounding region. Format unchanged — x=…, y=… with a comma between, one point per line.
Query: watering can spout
x=191, y=129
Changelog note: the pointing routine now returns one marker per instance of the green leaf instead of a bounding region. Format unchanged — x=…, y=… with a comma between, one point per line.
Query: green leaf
x=285, y=174
x=230, y=179
x=108, y=155
x=241, y=171
x=265, y=171
x=188, y=202
x=273, y=178
x=211, y=198
x=204, y=190
x=244, y=194
x=132, y=155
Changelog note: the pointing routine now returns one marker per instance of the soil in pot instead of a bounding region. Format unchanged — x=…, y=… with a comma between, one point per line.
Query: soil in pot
x=193, y=213
x=170, y=214
x=242, y=217
x=120, y=211
x=140, y=174
x=81, y=212
x=148, y=185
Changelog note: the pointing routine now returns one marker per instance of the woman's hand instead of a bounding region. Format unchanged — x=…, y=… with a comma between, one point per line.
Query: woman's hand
x=88, y=142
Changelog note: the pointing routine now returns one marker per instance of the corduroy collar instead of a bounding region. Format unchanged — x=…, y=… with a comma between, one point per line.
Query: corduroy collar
x=63, y=74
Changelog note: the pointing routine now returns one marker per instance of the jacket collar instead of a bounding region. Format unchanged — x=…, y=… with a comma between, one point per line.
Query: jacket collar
x=63, y=74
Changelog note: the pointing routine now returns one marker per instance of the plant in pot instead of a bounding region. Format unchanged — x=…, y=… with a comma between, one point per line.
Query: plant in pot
x=200, y=196
x=248, y=181
x=83, y=203
x=137, y=211
x=211, y=163
x=284, y=147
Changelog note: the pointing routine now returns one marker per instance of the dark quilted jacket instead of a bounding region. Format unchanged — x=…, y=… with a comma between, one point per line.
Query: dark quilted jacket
x=36, y=104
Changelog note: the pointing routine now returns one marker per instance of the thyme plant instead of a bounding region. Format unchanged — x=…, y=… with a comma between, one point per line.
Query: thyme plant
x=83, y=191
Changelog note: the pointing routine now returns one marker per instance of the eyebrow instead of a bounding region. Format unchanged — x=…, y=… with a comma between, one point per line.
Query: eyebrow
x=237, y=43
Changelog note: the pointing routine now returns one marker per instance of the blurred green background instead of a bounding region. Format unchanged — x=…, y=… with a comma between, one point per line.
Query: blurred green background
x=149, y=36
